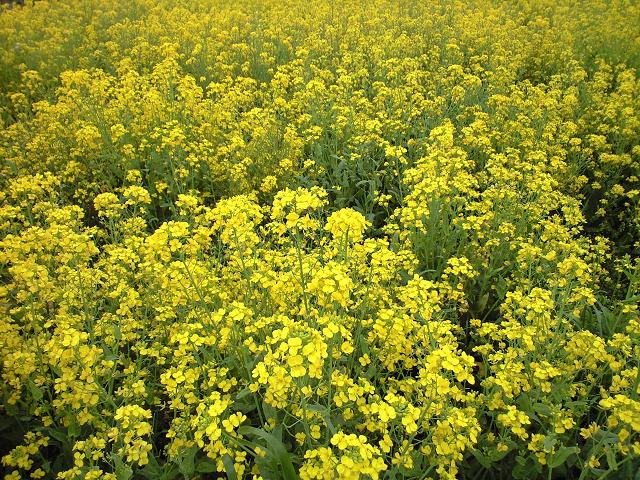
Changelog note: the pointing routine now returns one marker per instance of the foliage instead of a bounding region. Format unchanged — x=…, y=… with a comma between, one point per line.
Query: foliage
x=313, y=240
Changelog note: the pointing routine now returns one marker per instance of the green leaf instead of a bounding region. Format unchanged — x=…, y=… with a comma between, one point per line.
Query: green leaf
x=277, y=432
x=605, y=437
x=187, y=464
x=542, y=409
x=269, y=411
x=561, y=456
x=36, y=392
x=58, y=435
x=482, y=459
x=245, y=392
x=598, y=472
x=497, y=455
x=151, y=470
x=482, y=303
x=524, y=404
x=107, y=352
x=170, y=472
x=519, y=472
x=206, y=466
x=611, y=458
x=276, y=447
x=122, y=470
x=244, y=401
x=74, y=429
x=117, y=333
x=525, y=468
x=229, y=468
x=324, y=412
x=549, y=442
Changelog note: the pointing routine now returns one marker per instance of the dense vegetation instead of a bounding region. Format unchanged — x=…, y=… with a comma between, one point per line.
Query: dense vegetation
x=320, y=240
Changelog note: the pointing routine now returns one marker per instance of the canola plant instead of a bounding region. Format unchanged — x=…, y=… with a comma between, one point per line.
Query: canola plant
x=320, y=240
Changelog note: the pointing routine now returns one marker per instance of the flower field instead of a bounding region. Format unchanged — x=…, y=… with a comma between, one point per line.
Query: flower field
x=263, y=239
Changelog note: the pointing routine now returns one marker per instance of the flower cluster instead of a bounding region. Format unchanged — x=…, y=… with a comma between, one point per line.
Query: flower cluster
x=271, y=240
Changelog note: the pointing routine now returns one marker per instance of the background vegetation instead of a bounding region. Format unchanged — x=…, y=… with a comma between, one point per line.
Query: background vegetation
x=261, y=239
